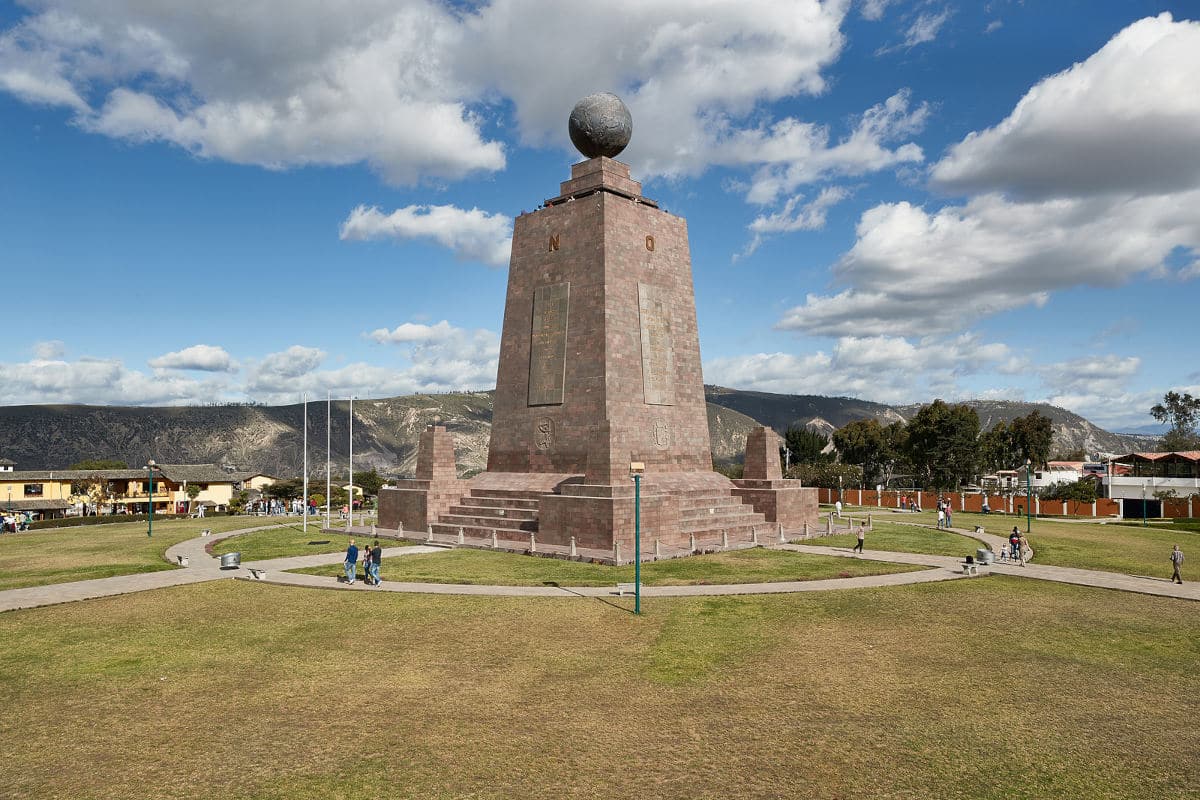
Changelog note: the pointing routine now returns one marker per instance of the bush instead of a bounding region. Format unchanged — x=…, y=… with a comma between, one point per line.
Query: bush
x=104, y=519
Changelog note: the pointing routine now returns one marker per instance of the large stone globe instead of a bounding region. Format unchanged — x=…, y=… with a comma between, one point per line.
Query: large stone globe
x=600, y=125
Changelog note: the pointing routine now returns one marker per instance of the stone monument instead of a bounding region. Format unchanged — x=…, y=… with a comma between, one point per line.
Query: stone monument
x=599, y=368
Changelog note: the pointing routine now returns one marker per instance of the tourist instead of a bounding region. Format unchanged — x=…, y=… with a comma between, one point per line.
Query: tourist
x=862, y=537
x=949, y=517
x=1023, y=544
x=376, y=558
x=1014, y=543
x=941, y=523
x=987, y=509
x=838, y=508
x=903, y=503
x=351, y=565
x=1176, y=563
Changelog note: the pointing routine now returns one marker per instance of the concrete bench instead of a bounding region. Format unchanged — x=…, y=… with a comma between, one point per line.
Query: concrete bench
x=624, y=589
x=970, y=568
x=258, y=574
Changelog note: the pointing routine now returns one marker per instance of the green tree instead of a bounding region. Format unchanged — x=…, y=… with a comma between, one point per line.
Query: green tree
x=1033, y=434
x=825, y=474
x=99, y=463
x=806, y=445
x=1083, y=491
x=998, y=448
x=943, y=444
x=370, y=482
x=288, y=489
x=870, y=445
x=1182, y=413
x=193, y=491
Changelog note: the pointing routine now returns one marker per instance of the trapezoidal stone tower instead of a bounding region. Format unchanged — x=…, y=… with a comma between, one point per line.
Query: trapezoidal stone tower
x=600, y=368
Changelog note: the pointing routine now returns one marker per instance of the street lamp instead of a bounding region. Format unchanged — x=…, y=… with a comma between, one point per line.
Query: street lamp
x=637, y=468
x=150, y=471
x=1143, y=505
x=839, y=488
x=1028, y=495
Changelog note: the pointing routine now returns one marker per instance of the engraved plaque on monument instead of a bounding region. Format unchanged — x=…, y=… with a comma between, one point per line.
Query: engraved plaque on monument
x=658, y=356
x=548, y=344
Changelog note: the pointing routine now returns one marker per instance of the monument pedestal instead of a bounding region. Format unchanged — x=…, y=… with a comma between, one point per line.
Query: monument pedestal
x=782, y=501
x=414, y=504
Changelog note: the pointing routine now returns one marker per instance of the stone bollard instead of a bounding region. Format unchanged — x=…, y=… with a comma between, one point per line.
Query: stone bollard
x=870, y=523
x=806, y=529
x=616, y=552
x=494, y=543
x=461, y=538
x=429, y=533
x=724, y=538
x=692, y=542
x=782, y=538
x=657, y=549
x=829, y=524
x=372, y=529
x=532, y=542
x=400, y=526
x=574, y=552
x=754, y=535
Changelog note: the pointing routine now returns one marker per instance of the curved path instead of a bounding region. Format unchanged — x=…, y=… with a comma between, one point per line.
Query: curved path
x=202, y=567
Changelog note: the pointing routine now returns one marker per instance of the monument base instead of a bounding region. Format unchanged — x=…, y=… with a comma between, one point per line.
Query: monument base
x=784, y=502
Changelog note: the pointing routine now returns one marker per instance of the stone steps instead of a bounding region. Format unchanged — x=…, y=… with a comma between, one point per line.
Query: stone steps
x=472, y=521
x=470, y=509
x=525, y=502
x=481, y=531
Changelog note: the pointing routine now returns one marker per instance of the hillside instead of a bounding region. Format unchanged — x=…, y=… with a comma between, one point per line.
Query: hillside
x=269, y=438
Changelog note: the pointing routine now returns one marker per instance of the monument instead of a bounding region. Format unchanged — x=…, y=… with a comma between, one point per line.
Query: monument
x=599, y=369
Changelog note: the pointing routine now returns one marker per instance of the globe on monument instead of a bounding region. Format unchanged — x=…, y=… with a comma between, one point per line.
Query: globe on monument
x=600, y=125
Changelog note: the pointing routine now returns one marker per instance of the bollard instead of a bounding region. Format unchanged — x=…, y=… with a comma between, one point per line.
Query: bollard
x=494, y=538
x=461, y=539
x=657, y=549
x=573, y=550
x=692, y=542
x=616, y=552
x=870, y=523
x=532, y=542
x=400, y=526
x=829, y=524
x=806, y=529
x=429, y=533
x=754, y=535
x=782, y=538
x=372, y=529
x=724, y=538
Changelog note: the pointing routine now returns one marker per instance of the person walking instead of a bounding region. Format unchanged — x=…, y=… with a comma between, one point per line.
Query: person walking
x=862, y=537
x=941, y=523
x=949, y=516
x=375, y=557
x=1176, y=563
x=1014, y=543
x=1023, y=546
x=838, y=507
x=351, y=565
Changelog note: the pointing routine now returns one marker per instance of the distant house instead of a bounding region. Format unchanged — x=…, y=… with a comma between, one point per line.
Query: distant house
x=253, y=481
x=6, y=465
x=1137, y=475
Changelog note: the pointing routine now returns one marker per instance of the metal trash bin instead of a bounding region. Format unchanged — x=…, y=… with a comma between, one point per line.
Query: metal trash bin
x=984, y=556
x=231, y=560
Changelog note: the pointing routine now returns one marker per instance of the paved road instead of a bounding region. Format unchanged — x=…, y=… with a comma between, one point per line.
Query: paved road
x=203, y=567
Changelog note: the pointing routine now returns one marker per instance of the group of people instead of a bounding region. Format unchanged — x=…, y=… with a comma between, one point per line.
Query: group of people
x=944, y=513
x=371, y=557
x=16, y=522
x=1018, y=547
x=909, y=503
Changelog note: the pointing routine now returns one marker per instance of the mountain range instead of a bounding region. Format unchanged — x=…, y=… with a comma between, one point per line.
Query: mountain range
x=270, y=438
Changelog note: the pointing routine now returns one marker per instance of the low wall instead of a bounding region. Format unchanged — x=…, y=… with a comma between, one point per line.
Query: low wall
x=1010, y=504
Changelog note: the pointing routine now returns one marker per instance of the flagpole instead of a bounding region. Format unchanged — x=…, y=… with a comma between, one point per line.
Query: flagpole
x=328, y=456
x=305, y=509
x=350, y=521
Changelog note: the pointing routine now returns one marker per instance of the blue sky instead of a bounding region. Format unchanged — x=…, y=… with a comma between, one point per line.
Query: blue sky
x=890, y=200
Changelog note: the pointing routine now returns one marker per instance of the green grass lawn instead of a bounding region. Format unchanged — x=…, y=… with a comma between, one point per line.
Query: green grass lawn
x=291, y=541
x=484, y=567
x=59, y=555
x=233, y=689
x=904, y=539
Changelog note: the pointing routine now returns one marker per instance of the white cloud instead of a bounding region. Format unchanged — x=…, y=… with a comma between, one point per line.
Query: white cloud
x=99, y=381
x=203, y=357
x=925, y=27
x=994, y=26
x=884, y=369
x=472, y=235
x=1094, y=375
x=294, y=362
x=794, y=217
x=412, y=332
x=874, y=9
x=49, y=350
x=1126, y=120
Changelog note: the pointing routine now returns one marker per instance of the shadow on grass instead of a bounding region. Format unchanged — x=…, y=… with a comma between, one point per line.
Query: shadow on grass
x=604, y=600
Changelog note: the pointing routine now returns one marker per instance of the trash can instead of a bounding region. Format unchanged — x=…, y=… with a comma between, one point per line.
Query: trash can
x=984, y=556
x=231, y=561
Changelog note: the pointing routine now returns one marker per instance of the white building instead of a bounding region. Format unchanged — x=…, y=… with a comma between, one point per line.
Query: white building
x=1138, y=476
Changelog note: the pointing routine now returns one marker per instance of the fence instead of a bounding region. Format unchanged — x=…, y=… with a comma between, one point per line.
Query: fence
x=998, y=504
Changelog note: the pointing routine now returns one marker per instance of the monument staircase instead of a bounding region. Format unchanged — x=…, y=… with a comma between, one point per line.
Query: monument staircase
x=512, y=514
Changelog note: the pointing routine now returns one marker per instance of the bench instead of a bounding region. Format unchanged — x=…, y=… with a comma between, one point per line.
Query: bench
x=624, y=589
x=970, y=568
x=258, y=574
x=183, y=560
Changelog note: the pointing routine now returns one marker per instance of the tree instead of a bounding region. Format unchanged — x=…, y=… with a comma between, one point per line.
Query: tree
x=870, y=445
x=99, y=463
x=1083, y=491
x=370, y=482
x=998, y=448
x=825, y=474
x=1033, y=434
x=193, y=491
x=806, y=445
x=943, y=444
x=288, y=489
x=1182, y=413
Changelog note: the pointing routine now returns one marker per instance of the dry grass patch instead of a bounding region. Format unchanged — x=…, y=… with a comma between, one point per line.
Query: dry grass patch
x=234, y=689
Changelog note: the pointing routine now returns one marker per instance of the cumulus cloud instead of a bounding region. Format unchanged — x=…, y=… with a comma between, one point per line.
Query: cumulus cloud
x=925, y=27
x=793, y=216
x=99, y=381
x=1094, y=375
x=49, y=350
x=874, y=9
x=203, y=357
x=1125, y=120
x=472, y=235
x=882, y=368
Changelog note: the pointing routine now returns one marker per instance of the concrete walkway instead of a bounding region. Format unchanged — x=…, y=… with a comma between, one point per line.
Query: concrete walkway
x=202, y=567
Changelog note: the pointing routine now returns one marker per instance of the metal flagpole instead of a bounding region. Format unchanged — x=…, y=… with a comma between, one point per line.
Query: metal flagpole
x=328, y=455
x=350, y=504
x=305, y=510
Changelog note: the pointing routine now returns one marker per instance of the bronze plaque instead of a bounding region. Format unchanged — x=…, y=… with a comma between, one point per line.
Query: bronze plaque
x=658, y=352
x=548, y=344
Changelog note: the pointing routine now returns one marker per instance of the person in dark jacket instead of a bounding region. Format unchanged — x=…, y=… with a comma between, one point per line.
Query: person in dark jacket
x=351, y=565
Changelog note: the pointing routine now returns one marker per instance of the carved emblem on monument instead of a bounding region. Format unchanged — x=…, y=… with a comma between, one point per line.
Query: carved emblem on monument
x=548, y=344
x=662, y=434
x=543, y=433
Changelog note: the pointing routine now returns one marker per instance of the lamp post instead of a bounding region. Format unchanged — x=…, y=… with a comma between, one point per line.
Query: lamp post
x=839, y=488
x=1143, y=505
x=150, y=471
x=1028, y=495
x=637, y=468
